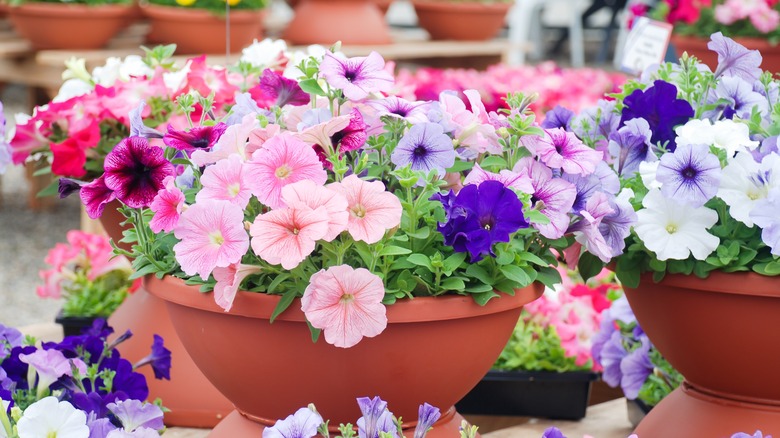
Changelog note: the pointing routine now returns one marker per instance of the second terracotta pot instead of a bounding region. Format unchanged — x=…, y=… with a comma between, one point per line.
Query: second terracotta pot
x=697, y=46
x=461, y=21
x=354, y=22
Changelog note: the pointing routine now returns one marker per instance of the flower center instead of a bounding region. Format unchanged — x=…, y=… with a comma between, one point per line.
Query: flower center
x=359, y=211
x=200, y=143
x=347, y=298
x=350, y=75
x=420, y=151
x=283, y=171
x=233, y=189
x=487, y=222
x=689, y=173
x=295, y=231
x=671, y=228
x=216, y=238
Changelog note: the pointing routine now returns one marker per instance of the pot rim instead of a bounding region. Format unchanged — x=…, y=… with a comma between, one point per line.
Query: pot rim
x=162, y=11
x=71, y=9
x=760, y=43
x=463, y=7
x=736, y=283
x=260, y=305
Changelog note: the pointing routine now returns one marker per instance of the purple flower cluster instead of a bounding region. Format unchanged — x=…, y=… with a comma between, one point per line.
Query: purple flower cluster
x=659, y=106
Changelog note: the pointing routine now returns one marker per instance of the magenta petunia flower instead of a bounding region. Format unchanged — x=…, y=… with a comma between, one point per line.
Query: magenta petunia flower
x=135, y=171
x=197, y=138
x=346, y=304
x=282, y=160
x=372, y=209
x=167, y=207
x=313, y=196
x=352, y=137
x=95, y=196
x=287, y=236
x=229, y=281
x=556, y=195
x=211, y=235
x=283, y=90
x=560, y=149
x=357, y=77
x=227, y=181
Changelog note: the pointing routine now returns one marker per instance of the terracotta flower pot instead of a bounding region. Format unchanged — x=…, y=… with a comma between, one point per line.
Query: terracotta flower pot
x=69, y=26
x=327, y=21
x=433, y=350
x=461, y=21
x=697, y=46
x=197, y=31
x=720, y=333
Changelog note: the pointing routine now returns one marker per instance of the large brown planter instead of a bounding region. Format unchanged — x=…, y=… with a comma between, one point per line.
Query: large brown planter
x=722, y=334
x=433, y=350
x=697, y=46
x=198, y=31
x=69, y=26
x=461, y=21
x=357, y=22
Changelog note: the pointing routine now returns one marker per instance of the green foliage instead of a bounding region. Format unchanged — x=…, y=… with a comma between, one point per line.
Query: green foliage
x=216, y=6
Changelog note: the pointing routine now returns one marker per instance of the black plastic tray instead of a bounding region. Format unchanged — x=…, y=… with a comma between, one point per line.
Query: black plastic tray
x=74, y=325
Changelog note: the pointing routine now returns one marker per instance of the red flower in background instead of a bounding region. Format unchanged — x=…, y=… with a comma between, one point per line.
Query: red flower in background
x=687, y=11
x=70, y=155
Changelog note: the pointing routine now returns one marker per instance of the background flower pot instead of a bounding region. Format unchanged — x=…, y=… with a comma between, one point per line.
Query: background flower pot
x=561, y=396
x=198, y=31
x=69, y=26
x=461, y=21
x=636, y=410
x=328, y=21
x=719, y=334
x=433, y=350
x=73, y=325
x=697, y=46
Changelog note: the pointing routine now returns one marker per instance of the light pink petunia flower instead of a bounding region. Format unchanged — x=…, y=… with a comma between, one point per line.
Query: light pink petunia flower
x=226, y=181
x=282, y=160
x=313, y=196
x=229, y=280
x=358, y=76
x=233, y=141
x=211, y=235
x=167, y=206
x=287, y=236
x=346, y=304
x=50, y=365
x=372, y=209
x=517, y=181
x=563, y=150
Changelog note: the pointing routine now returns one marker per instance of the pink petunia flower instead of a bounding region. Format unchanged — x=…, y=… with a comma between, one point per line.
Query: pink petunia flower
x=556, y=195
x=517, y=181
x=211, y=235
x=135, y=171
x=560, y=149
x=357, y=77
x=227, y=181
x=233, y=141
x=229, y=280
x=346, y=304
x=372, y=209
x=314, y=196
x=167, y=206
x=282, y=160
x=287, y=236
x=95, y=196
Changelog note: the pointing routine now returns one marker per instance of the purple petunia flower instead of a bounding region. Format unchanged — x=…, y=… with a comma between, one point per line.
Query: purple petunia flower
x=766, y=214
x=285, y=91
x=740, y=97
x=427, y=415
x=635, y=368
x=611, y=355
x=758, y=434
x=137, y=126
x=553, y=432
x=9, y=338
x=394, y=106
x=357, y=77
x=630, y=145
x=479, y=216
x=354, y=136
x=199, y=137
x=244, y=106
x=662, y=110
x=134, y=414
x=556, y=196
x=68, y=186
x=135, y=171
x=426, y=147
x=563, y=150
x=99, y=427
x=691, y=174
x=768, y=145
x=616, y=226
x=302, y=424
x=598, y=121
x=586, y=186
x=558, y=117
x=95, y=196
x=375, y=417
x=159, y=359
x=734, y=59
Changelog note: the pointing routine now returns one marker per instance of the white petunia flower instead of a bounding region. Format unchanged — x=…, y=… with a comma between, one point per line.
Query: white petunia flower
x=647, y=170
x=265, y=53
x=745, y=182
x=49, y=417
x=107, y=74
x=174, y=81
x=726, y=134
x=72, y=88
x=695, y=131
x=675, y=231
x=134, y=66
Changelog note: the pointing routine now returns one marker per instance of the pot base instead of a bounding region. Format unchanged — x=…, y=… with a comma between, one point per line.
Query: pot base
x=690, y=412
x=236, y=424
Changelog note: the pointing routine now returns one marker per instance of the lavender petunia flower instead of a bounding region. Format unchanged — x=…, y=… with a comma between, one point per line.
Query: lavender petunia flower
x=556, y=196
x=9, y=338
x=563, y=150
x=689, y=175
x=587, y=230
x=159, y=359
x=604, y=335
x=137, y=126
x=302, y=424
x=134, y=414
x=480, y=215
x=553, y=432
x=586, y=186
x=373, y=409
x=99, y=427
x=768, y=146
x=558, y=117
x=616, y=226
x=635, y=368
x=314, y=117
x=596, y=122
x=357, y=77
x=427, y=415
x=609, y=180
x=413, y=112
x=630, y=145
x=436, y=114
x=662, y=110
x=734, y=59
x=766, y=214
x=758, y=434
x=6, y=156
x=199, y=137
x=285, y=91
x=244, y=106
x=611, y=356
x=135, y=171
x=740, y=97
x=384, y=424
x=425, y=147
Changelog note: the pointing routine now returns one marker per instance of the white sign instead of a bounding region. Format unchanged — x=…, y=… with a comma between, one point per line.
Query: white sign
x=646, y=45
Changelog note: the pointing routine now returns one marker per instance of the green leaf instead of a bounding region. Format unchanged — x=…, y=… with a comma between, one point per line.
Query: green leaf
x=771, y=268
x=453, y=283
x=505, y=257
x=479, y=273
x=420, y=260
x=516, y=274
x=537, y=217
x=460, y=166
x=276, y=282
x=452, y=262
x=138, y=273
x=506, y=286
x=50, y=190
x=284, y=303
x=394, y=250
x=627, y=272
x=311, y=86
x=533, y=258
x=493, y=161
x=42, y=171
x=422, y=233
x=548, y=276
x=483, y=297
x=589, y=265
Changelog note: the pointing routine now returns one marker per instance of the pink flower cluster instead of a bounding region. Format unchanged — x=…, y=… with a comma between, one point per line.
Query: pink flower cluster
x=85, y=252
x=575, y=89
x=574, y=311
x=761, y=13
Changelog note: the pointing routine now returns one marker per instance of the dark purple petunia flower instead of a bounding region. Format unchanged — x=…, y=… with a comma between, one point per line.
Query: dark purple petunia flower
x=199, y=137
x=95, y=196
x=558, y=117
x=137, y=126
x=354, y=136
x=662, y=110
x=89, y=403
x=690, y=175
x=135, y=171
x=479, y=216
x=159, y=359
x=426, y=416
x=635, y=368
x=68, y=186
x=734, y=59
x=553, y=432
x=425, y=147
x=285, y=91
x=15, y=369
x=630, y=145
